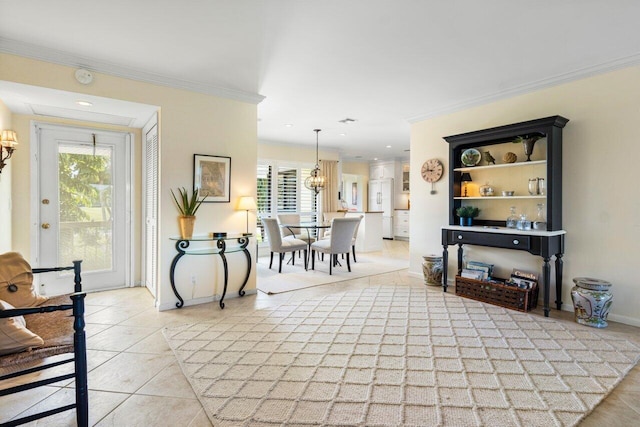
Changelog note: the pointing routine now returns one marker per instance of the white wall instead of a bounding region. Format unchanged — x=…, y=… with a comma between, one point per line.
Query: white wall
x=294, y=153
x=5, y=187
x=600, y=201
x=190, y=123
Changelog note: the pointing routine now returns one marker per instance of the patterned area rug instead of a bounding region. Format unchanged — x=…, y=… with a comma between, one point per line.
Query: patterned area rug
x=398, y=356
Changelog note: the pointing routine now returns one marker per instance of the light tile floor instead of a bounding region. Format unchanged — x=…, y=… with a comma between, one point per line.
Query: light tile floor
x=134, y=379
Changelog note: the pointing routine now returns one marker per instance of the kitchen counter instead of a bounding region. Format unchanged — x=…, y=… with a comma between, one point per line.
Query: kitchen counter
x=369, y=237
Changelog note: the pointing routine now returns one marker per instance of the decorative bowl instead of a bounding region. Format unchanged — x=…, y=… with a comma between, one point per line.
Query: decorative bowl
x=508, y=193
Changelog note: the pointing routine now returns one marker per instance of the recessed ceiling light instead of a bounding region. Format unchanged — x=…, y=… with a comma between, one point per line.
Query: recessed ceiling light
x=288, y=125
x=388, y=146
x=375, y=158
x=84, y=103
x=343, y=134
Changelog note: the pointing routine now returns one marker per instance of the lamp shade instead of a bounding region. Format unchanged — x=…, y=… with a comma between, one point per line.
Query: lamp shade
x=246, y=203
x=466, y=177
x=8, y=138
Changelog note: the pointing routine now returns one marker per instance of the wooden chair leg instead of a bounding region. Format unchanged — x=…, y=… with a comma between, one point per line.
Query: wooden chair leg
x=313, y=259
x=271, y=261
x=331, y=258
x=306, y=260
x=281, y=256
x=353, y=249
x=348, y=264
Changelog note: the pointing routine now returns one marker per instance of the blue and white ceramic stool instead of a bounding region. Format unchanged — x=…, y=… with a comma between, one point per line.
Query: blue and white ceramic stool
x=592, y=300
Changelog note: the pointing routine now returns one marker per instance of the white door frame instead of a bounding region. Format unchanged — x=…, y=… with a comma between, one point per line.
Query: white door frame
x=34, y=167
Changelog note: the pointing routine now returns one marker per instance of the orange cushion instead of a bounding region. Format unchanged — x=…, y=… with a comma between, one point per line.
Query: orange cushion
x=16, y=281
x=14, y=335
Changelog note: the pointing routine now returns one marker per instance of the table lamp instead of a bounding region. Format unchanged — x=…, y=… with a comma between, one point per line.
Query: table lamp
x=466, y=177
x=246, y=203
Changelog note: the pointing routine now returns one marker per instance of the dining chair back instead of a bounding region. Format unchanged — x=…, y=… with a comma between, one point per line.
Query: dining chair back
x=327, y=217
x=342, y=231
x=281, y=246
x=288, y=219
x=355, y=236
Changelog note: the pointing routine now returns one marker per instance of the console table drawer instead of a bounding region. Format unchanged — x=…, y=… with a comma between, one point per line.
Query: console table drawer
x=507, y=241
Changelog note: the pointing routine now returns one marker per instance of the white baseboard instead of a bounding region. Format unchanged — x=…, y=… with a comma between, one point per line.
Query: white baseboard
x=203, y=300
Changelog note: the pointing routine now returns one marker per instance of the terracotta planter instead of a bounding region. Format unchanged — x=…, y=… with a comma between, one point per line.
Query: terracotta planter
x=186, y=226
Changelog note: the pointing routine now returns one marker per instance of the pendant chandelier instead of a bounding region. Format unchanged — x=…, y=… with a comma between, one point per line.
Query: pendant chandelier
x=315, y=182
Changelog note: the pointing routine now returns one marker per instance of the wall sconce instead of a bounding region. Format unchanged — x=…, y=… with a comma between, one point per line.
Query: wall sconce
x=465, y=178
x=246, y=203
x=8, y=142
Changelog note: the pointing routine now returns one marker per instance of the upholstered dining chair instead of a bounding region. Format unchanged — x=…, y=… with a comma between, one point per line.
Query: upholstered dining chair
x=293, y=232
x=355, y=236
x=327, y=217
x=282, y=246
x=342, y=230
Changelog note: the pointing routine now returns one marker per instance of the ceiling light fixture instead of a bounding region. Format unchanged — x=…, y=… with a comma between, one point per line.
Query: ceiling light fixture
x=347, y=121
x=315, y=181
x=288, y=125
x=388, y=146
x=84, y=103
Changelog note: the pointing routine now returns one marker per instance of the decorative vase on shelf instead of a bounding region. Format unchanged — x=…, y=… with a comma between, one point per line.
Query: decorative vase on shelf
x=540, y=223
x=523, y=223
x=592, y=300
x=512, y=219
x=486, y=190
x=528, y=141
x=542, y=187
x=186, y=224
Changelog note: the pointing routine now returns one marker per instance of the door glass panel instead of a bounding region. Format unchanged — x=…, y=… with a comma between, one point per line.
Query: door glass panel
x=85, y=180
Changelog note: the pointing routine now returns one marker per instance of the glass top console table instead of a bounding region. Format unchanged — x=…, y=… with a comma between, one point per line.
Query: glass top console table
x=221, y=246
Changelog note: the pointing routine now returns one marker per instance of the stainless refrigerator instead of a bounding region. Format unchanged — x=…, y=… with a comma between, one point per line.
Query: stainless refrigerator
x=381, y=199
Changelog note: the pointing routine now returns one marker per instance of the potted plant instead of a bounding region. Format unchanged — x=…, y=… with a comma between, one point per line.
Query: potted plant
x=466, y=214
x=188, y=206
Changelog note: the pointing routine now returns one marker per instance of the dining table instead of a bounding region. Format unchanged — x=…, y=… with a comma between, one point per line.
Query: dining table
x=309, y=226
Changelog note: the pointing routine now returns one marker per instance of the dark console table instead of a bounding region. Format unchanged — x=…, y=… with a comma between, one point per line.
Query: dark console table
x=221, y=249
x=541, y=243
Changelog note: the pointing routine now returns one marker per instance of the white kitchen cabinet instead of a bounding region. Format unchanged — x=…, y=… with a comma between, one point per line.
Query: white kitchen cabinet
x=401, y=224
x=405, y=177
x=382, y=170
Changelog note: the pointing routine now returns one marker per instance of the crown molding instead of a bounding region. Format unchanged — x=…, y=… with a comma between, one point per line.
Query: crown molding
x=32, y=51
x=582, y=73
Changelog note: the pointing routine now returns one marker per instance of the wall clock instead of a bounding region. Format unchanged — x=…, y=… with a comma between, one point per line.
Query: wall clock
x=432, y=171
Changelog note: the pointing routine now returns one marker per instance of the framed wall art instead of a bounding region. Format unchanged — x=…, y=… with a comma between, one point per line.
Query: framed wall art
x=212, y=177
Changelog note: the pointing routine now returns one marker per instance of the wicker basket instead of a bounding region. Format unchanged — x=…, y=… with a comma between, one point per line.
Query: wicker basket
x=502, y=295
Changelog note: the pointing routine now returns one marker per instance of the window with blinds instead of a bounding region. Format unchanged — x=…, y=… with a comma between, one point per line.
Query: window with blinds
x=283, y=193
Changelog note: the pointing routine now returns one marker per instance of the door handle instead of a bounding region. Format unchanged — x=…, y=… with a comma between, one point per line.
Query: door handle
x=45, y=225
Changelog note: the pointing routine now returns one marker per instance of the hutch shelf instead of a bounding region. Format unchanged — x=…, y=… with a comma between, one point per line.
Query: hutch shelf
x=490, y=227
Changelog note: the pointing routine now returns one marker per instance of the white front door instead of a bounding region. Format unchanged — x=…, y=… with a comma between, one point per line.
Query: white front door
x=83, y=206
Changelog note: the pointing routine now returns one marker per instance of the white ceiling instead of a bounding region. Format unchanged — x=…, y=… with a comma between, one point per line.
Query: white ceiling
x=383, y=63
